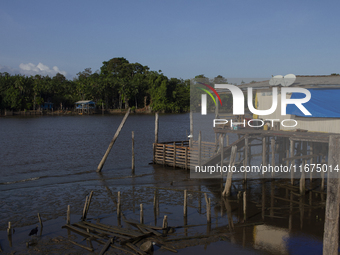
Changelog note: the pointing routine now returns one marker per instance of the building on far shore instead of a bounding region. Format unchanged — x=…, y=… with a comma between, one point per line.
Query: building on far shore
x=85, y=106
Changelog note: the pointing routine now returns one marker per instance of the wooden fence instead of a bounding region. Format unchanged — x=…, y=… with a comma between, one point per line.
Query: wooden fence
x=179, y=154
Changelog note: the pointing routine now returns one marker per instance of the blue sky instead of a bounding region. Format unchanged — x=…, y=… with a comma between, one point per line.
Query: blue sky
x=237, y=38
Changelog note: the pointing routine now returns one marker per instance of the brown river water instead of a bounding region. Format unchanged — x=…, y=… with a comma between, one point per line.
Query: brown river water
x=49, y=162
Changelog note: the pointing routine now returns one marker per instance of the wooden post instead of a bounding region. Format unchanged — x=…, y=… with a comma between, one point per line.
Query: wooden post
x=246, y=151
x=174, y=159
x=164, y=154
x=84, y=210
x=221, y=150
x=227, y=140
x=286, y=141
x=273, y=154
x=264, y=146
x=185, y=203
x=292, y=155
x=227, y=187
x=263, y=199
x=331, y=227
x=191, y=130
x=118, y=205
x=68, y=218
x=267, y=149
x=199, y=148
x=165, y=224
x=207, y=202
x=141, y=216
x=87, y=207
x=244, y=206
x=323, y=161
x=9, y=229
x=102, y=162
x=156, y=127
x=303, y=178
x=216, y=108
x=186, y=157
x=133, y=153
x=40, y=221
x=311, y=151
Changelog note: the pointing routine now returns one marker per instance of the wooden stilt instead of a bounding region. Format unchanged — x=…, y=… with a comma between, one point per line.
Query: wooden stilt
x=292, y=155
x=331, y=227
x=303, y=174
x=227, y=188
x=68, y=218
x=174, y=159
x=191, y=130
x=118, y=205
x=133, y=153
x=264, y=147
x=156, y=127
x=141, y=215
x=273, y=154
x=246, y=152
x=199, y=148
x=185, y=203
x=244, y=206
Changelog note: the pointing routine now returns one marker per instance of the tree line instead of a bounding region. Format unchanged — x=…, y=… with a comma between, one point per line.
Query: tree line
x=118, y=84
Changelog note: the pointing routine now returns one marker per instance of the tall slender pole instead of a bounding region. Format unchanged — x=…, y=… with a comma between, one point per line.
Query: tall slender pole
x=191, y=130
x=133, y=153
x=199, y=148
x=102, y=162
x=156, y=127
x=331, y=227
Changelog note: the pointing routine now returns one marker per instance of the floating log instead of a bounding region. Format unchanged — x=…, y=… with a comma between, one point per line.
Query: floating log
x=117, y=230
x=102, y=162
x=82, y=232
x=135, y=248
x=82, y=246
x=106, y=246
x=143, y=225
x=84, y=226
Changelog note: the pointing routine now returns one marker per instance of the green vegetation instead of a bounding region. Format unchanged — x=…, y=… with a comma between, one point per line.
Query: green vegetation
x=118, y=85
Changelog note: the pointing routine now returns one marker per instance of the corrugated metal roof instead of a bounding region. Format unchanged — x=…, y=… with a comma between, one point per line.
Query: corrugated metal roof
x=313, y=81
x=85, y=102
x=310, y=81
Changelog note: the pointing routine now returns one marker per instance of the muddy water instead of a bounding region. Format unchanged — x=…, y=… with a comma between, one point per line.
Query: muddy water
x=49, y=162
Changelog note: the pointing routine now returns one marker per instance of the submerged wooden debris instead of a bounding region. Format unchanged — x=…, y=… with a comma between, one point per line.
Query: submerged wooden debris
x=140, y=240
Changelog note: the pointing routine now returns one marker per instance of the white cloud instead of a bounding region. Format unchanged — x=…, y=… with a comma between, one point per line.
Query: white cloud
x=31, y=69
